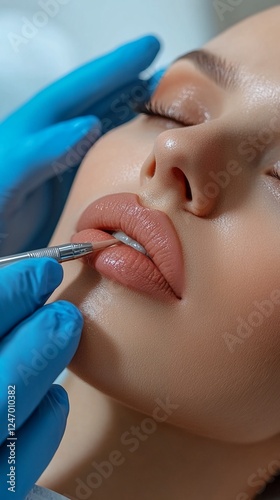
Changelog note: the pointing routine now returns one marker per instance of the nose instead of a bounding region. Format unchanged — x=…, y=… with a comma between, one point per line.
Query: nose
x=193, y=166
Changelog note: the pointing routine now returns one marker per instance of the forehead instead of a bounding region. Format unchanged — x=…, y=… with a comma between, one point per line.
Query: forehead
x=254, y=43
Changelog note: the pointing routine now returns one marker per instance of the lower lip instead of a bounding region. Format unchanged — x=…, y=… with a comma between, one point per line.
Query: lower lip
x=125, y=265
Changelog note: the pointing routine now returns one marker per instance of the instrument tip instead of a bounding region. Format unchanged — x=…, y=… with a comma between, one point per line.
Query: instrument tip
x=99, y=245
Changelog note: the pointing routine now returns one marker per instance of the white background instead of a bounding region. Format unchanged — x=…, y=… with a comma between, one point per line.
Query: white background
x=83, y=29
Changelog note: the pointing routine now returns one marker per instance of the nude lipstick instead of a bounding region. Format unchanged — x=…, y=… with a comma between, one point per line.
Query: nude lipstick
x=161, y=272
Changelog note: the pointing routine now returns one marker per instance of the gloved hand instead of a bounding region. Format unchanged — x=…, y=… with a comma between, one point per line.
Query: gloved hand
x=44, y=141
x=36, y=343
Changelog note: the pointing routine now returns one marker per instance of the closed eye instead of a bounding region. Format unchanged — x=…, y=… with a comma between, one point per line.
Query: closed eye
x=155, y=108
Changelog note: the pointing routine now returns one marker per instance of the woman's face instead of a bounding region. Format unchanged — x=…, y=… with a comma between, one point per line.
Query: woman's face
x=212, y=350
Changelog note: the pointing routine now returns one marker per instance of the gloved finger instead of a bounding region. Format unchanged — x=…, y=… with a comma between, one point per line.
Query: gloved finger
x=36, y=352
x=118, y=107
x=24, y=287
x=35, y=444
x=72, y=94
x=155, y=79
x=36, y=164
x=48, y=200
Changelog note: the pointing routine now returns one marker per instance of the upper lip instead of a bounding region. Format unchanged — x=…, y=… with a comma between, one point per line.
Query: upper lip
x=151, y=228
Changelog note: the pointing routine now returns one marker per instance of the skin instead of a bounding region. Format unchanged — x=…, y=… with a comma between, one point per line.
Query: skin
x=224, y=425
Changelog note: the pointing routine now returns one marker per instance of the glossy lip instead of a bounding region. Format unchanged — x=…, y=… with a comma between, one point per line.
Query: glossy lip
x=151, y=228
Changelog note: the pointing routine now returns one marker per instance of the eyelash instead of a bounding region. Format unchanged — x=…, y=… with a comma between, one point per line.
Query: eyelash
x=154, y=108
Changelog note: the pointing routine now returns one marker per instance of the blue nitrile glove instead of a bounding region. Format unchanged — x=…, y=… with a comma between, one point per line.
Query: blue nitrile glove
x=44, y=141
x=36, y=344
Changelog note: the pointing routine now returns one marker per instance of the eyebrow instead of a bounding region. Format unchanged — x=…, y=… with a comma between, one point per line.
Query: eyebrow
x=222, y=72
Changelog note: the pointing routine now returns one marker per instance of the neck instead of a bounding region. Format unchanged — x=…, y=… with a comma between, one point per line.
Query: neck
x=110, y=452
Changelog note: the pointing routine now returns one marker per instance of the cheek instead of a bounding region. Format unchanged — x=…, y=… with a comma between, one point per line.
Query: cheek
x=236, y=281
x=114, y=163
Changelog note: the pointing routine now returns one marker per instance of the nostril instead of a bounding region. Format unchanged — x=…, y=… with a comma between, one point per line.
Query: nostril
x=188, y=190
x=181, y=176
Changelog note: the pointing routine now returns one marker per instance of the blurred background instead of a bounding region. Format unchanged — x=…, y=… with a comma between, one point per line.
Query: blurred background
x=41, y=40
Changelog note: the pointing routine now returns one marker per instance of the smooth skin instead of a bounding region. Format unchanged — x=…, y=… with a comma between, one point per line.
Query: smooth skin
x=221, y=439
